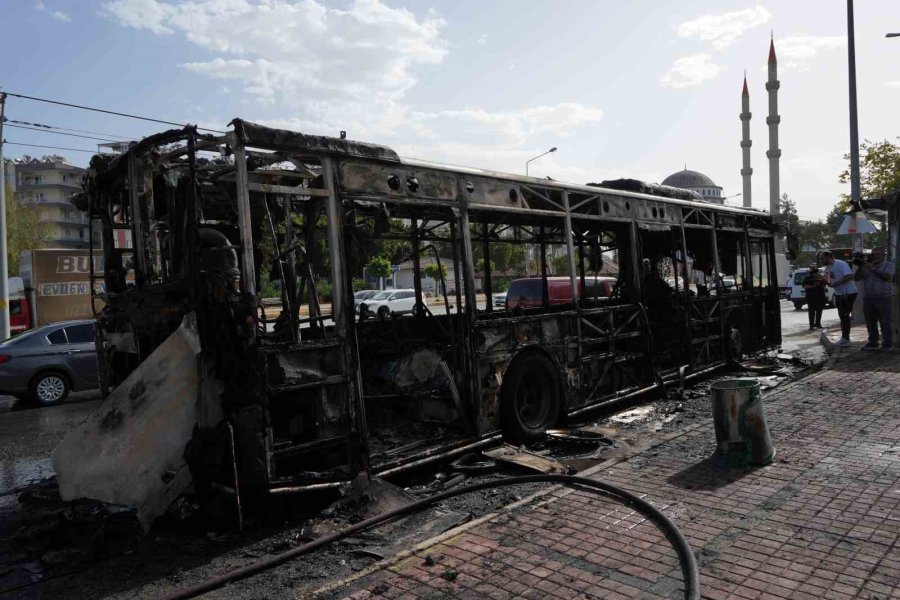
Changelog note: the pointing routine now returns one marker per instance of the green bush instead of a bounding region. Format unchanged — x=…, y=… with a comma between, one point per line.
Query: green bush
x=325, y=290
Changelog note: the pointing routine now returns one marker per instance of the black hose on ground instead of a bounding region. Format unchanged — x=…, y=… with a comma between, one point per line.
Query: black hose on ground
x=686, y=557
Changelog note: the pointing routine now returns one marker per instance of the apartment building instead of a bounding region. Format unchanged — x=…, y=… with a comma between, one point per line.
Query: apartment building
x=49, y=184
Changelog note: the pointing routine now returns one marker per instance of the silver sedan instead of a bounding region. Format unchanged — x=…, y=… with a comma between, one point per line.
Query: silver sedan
x=44, y=364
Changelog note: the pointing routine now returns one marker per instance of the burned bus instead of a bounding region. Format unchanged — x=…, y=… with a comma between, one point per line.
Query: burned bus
x=305, y=396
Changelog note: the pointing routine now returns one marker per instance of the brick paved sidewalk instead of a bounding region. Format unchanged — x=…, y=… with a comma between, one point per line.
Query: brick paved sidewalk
x=821, y=522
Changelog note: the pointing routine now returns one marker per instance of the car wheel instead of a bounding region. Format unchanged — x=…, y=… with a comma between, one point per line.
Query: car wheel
x=48, y=389
x=383, y=313
x=530, y=399
x=798, y=306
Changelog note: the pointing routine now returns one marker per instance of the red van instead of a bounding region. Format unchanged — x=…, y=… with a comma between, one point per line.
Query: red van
x=19, y=315
x=527, y=293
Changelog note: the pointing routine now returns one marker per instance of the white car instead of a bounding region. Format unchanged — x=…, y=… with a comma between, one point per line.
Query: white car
x=362, y=296
x=389, y=302
x=798, y=293
x=500, y=300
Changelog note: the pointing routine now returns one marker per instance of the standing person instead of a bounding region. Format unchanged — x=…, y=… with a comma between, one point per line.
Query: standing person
x=814, y=284
x=877, y=275
x=840, y=277
x=698, y=278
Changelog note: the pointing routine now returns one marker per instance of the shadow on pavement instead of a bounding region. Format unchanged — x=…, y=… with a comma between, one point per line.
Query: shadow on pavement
x=709, y=474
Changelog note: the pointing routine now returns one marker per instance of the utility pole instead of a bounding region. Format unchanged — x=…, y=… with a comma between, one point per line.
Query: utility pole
x=4, y=267
x=855, y=193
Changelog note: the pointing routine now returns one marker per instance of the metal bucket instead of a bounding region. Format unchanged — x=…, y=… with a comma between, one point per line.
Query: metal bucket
x=742, y=434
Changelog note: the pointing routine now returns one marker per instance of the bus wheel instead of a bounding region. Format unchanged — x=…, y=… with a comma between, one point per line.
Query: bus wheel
x=530, y=399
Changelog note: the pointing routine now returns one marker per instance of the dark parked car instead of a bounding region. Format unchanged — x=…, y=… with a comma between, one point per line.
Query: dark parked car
x=45, y=364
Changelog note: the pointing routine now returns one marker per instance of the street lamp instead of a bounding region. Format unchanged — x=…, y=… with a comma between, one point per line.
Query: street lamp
x=892, y=35
x=553, y=149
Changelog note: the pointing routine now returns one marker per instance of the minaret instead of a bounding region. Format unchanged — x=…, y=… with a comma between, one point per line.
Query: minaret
x=746, y=171
x=774, y=153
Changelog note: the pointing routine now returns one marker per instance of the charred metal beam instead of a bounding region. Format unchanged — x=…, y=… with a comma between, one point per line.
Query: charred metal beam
x=252, y=134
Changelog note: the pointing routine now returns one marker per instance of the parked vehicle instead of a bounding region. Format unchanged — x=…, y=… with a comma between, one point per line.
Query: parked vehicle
x=389, y=302
x=798, y=294
x=528, y=293
x=499, y=300
x=787, y=286
x=44, y=364
x=361, y=296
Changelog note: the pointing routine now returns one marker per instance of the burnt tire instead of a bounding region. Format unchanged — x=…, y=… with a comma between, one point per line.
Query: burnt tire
x=530, y=399
x=49, y=388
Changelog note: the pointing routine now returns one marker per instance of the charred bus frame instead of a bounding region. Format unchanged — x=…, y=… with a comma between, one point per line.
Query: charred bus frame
x=295, y=403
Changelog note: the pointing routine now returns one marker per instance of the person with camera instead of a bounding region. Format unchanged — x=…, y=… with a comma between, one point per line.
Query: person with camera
x=840, y=277
x=877, y=275
x=814, y=284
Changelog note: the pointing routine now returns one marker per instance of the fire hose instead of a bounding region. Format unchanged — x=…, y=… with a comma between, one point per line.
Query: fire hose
x=688, y=562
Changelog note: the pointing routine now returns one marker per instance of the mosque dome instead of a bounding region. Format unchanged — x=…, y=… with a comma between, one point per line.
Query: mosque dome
x=698, y=182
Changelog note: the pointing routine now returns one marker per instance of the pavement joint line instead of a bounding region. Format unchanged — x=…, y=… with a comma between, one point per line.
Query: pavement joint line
x=557, y=492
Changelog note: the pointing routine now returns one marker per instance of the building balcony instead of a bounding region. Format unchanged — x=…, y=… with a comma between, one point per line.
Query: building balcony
x=74, y=186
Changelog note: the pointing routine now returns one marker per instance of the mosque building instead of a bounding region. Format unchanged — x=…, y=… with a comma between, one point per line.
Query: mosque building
x=696, y=182
x=708, y=190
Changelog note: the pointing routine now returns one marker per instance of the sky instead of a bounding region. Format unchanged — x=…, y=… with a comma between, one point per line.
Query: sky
x=623, y=89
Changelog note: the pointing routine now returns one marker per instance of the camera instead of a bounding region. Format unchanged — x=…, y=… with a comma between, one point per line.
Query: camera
x=859, y=259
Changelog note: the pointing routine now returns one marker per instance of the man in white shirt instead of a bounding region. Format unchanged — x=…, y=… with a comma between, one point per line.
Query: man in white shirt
x=840, y=277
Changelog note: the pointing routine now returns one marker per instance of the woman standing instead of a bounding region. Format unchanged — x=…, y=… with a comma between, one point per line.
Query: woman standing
x=814, y=284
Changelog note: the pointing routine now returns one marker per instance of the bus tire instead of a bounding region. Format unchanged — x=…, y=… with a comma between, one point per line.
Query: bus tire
x=530, y=399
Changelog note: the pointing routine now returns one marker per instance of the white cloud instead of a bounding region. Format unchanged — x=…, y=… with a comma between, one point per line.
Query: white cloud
x=55, y=14
x=512, y=128
x=894, y=84
x=721, y=30
x=328, y=69
x=797, y=51
x=691, y=70
x=482, y=39
x=280, y=50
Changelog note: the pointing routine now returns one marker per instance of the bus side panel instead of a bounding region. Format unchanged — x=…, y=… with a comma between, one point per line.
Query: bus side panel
x=497, y=343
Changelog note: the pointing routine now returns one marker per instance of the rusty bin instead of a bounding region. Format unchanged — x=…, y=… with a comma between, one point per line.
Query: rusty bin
x=742, y=434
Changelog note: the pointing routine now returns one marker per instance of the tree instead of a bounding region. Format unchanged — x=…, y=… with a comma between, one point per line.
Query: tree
x=438, y=273
x=879, y=169
x=789, y=219
x=879, y=174
x=479, y=266
x=24, y=230
x=379, y=267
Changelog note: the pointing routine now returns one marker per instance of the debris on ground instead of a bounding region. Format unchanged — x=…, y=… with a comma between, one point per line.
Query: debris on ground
x=529, y=460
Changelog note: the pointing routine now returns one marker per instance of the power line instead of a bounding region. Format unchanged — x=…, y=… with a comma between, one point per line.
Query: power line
x=108, y=112
x=62, y=133
x=51, y=147
x=124, y=137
